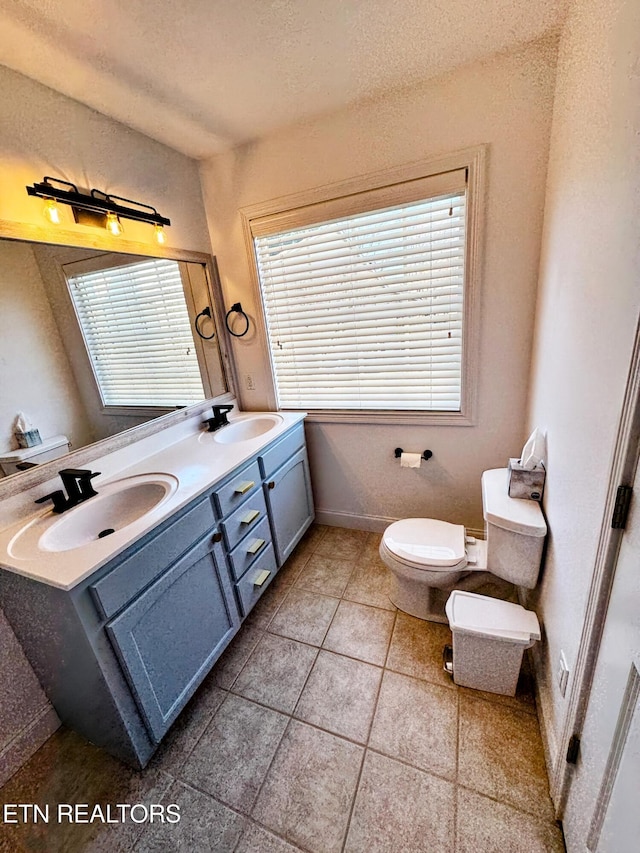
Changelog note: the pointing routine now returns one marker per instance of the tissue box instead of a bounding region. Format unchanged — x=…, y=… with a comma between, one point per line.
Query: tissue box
x=28, y=439
x=528, y=485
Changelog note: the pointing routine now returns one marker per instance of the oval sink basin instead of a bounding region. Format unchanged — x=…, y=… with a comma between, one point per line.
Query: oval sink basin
x=115, y=507
x=246, y=428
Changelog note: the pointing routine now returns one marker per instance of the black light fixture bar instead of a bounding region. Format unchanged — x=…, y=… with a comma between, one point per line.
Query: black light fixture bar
x=101, y=203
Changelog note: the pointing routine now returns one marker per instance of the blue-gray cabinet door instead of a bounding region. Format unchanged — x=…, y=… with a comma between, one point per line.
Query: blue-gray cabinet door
x=170, y=637
x=290, y=504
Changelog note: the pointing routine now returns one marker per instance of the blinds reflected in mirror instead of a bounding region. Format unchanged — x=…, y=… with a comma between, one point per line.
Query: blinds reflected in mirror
x=137, y=331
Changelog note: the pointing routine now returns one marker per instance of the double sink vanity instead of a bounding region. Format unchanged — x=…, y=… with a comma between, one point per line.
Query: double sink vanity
x=124, y=602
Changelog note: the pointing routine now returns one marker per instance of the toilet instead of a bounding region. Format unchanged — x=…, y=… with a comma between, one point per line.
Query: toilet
x=48, y=449
x=430, y=558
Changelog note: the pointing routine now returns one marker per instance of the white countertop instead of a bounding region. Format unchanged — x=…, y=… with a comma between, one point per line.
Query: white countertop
x=196, y=461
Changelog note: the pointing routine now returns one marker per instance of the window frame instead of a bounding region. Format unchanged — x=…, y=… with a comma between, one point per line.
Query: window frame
x=296, y=210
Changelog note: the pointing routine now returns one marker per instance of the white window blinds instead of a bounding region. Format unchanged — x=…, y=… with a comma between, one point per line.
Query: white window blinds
x=137, y=331
x=366, y=311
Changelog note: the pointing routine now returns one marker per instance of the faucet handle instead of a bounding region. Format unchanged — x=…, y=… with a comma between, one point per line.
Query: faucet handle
x=58, y=498
x=86, y=487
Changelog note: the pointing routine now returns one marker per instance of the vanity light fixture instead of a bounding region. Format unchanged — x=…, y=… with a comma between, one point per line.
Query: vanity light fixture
x=96, y=207
x=52, y=211
x=113, y=224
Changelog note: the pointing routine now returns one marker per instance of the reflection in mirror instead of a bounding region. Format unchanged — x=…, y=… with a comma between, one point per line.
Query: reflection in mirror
x=93, y=343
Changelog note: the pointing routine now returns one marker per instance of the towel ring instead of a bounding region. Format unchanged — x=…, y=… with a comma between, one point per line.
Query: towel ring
x=237, y=309
x=206, y=312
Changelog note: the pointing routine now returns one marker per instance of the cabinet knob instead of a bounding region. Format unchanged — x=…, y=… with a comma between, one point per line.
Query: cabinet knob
x=217, y=536
x=271, y=484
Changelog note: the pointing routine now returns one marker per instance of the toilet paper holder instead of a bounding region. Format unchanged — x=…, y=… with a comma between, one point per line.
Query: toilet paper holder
x=427, y=454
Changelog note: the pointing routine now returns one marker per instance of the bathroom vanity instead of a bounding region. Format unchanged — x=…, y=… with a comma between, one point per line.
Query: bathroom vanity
x=122, y=629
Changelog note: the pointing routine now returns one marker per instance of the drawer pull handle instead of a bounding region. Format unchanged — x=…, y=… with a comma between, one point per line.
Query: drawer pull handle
x=271, y=484
x=261, y=577
x=255, y=546
x=217, y=536
x=250, y=516
x=242, y=488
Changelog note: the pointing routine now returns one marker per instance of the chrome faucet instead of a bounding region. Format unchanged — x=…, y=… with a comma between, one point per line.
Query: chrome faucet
x=77, y=482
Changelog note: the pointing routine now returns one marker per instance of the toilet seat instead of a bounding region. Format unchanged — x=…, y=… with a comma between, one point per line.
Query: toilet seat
x=427, y=544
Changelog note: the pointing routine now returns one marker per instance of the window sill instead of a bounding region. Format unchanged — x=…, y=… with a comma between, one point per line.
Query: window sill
x=391, y=418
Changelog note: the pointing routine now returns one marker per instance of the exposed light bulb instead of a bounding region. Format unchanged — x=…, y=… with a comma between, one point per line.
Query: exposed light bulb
x=161, y=237
x=51, y=211
x=113, y=225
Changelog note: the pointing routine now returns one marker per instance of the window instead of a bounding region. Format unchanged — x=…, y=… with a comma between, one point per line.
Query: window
x=136, y=328
x=367, y=299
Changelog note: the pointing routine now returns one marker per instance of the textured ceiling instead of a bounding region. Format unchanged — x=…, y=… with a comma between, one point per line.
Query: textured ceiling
x=205, y=75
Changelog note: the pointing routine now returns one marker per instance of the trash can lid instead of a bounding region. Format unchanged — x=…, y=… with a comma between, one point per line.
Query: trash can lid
x=491, y=617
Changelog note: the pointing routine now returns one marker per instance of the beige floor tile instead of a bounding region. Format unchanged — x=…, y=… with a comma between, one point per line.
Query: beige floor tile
x=190, y=725
x=267, y=606
x=399, y=809
x=234, y=754
x=325, y=575
x=293, y=565
x=235, y=656
x=361, y=632
x=490, y=827
x=314, y=536
x=340, y=696
x=304, y=616
x=416, y=722
x=205, y=825
x=416, y=649
x=276, y=672
x=257, y=839
x=68, y=769
x=309, y=790
x=370, y=584
x=342, y=544
x=501, y=755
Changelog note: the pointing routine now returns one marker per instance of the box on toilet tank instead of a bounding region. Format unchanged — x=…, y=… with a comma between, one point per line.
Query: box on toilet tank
x=528, y=485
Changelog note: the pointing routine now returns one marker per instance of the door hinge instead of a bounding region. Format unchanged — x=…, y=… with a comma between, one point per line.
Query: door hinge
x=621, y=508
x=573, y=749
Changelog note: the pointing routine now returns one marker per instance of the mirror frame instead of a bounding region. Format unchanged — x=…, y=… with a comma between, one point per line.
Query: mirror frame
x=23, y=232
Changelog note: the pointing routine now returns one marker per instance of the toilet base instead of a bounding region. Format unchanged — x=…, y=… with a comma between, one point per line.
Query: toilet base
x=427, y=602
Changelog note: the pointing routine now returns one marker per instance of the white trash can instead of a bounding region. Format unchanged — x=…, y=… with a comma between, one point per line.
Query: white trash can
x=489, y=639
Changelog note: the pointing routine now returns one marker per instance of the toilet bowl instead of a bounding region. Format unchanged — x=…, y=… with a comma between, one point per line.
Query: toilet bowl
x=429, y=558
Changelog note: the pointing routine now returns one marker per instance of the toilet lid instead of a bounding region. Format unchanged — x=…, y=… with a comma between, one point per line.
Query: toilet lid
x=425, y=541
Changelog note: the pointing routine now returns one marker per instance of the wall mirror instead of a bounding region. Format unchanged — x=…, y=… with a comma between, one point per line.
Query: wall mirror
x=49, y=344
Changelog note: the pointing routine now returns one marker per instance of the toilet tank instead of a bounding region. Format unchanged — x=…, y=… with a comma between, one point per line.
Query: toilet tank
x=515, y=530
x=48, y=449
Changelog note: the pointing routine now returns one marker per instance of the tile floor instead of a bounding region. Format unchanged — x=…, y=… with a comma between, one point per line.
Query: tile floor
x=328, y=725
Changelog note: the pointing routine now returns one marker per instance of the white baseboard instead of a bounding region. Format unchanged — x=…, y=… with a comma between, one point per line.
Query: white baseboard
x=544, y=706
x=372, y=523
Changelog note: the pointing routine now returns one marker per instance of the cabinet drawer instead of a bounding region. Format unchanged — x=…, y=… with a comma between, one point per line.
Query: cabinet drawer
x=134, y=573
x=244, y=519
x=250, y=548
x=254, y=582
x=273, y=458
x=238, y=489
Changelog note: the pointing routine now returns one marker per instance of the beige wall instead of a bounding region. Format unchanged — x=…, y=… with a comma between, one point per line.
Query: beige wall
x=35, y=373
x=505, y=102
x=44, y=133
x=587, y=309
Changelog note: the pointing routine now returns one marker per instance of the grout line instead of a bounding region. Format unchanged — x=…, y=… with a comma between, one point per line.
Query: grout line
x=457, y=776
x=364, y=754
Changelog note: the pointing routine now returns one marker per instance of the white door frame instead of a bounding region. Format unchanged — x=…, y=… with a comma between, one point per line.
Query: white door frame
x=623, y=466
